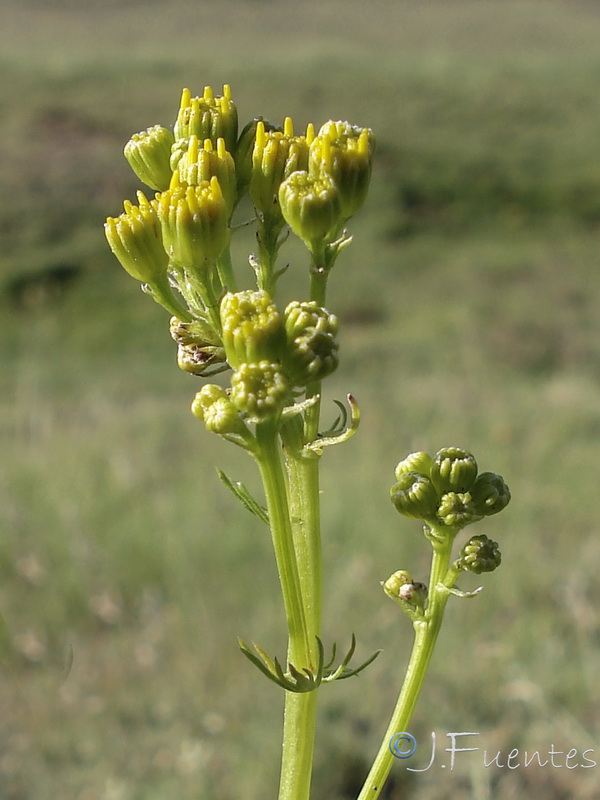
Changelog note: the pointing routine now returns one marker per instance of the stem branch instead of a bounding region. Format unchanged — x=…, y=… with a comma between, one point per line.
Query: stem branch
x=426, y=633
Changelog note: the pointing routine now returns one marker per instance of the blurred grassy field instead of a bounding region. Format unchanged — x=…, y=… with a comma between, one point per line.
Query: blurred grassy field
x=469, y=309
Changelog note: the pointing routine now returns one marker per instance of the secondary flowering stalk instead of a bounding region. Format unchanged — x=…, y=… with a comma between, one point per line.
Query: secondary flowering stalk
x=423, y=487
x=273, y=362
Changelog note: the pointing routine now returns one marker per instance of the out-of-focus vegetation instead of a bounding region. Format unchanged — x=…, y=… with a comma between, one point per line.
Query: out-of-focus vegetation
x=469, y=302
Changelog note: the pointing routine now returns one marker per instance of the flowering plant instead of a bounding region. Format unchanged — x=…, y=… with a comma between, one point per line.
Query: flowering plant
x=177, y=244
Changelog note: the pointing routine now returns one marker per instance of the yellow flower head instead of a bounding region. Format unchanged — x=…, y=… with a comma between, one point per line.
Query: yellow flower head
x=194, y=222
x=208, y=117
x=276, y=155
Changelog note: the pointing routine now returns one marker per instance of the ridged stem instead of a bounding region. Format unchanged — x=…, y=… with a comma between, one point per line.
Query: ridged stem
x=270, y=463
x=426, y=633
x=294, y=519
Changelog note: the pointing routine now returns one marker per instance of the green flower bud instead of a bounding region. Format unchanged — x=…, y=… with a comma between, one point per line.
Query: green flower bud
x=201, y=163
x=203, y=399
x=345, y=152
x=415, y=496
x=223, y=417
x=401, y=588
x=208, y=117
x=311, y=352
x=253, y=330
x=259, y=390
x=135, y=239
x=490, y=494
x=148, y=154
x=213, y=406
x=415, y=462
x=480, y=554
x=275, y=156
x=456, y=510
x=453, y=470
x=194, y=222
x=310, y=205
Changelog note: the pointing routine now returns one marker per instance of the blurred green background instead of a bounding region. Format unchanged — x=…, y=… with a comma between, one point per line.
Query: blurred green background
x=468, y=304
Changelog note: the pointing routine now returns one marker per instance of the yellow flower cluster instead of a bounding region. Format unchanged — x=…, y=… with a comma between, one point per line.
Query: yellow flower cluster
x=177, y=243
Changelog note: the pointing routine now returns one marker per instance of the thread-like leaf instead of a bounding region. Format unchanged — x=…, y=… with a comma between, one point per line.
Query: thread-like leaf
x=244, y=496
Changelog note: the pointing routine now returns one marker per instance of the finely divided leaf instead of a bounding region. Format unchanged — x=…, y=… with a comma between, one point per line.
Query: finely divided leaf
x=244, y=496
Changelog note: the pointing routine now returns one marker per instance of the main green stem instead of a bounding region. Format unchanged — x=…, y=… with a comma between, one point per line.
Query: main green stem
x=304, y=497
x=270, y=463
x=300, y=709
x=302, y=509
x=426, y=633
x=294, y=518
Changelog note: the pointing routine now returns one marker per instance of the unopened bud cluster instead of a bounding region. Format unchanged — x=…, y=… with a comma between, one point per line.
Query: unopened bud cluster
x=176, y=243
x=480, y=554
x=447, y=490
x=272, y=353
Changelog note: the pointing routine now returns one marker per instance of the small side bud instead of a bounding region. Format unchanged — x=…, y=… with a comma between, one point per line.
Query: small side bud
x=490, y=494
x=253, y=330
x=453, y=470
x=259, y=390
x=415, y=462
x=395, y=582
x=415, y=496
x=148, y=154
x=203, y=399
x=401, y=588
x=480, y=554
x=213, y=406
x=456, y=510
x=311, y=352
x=310, y=205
